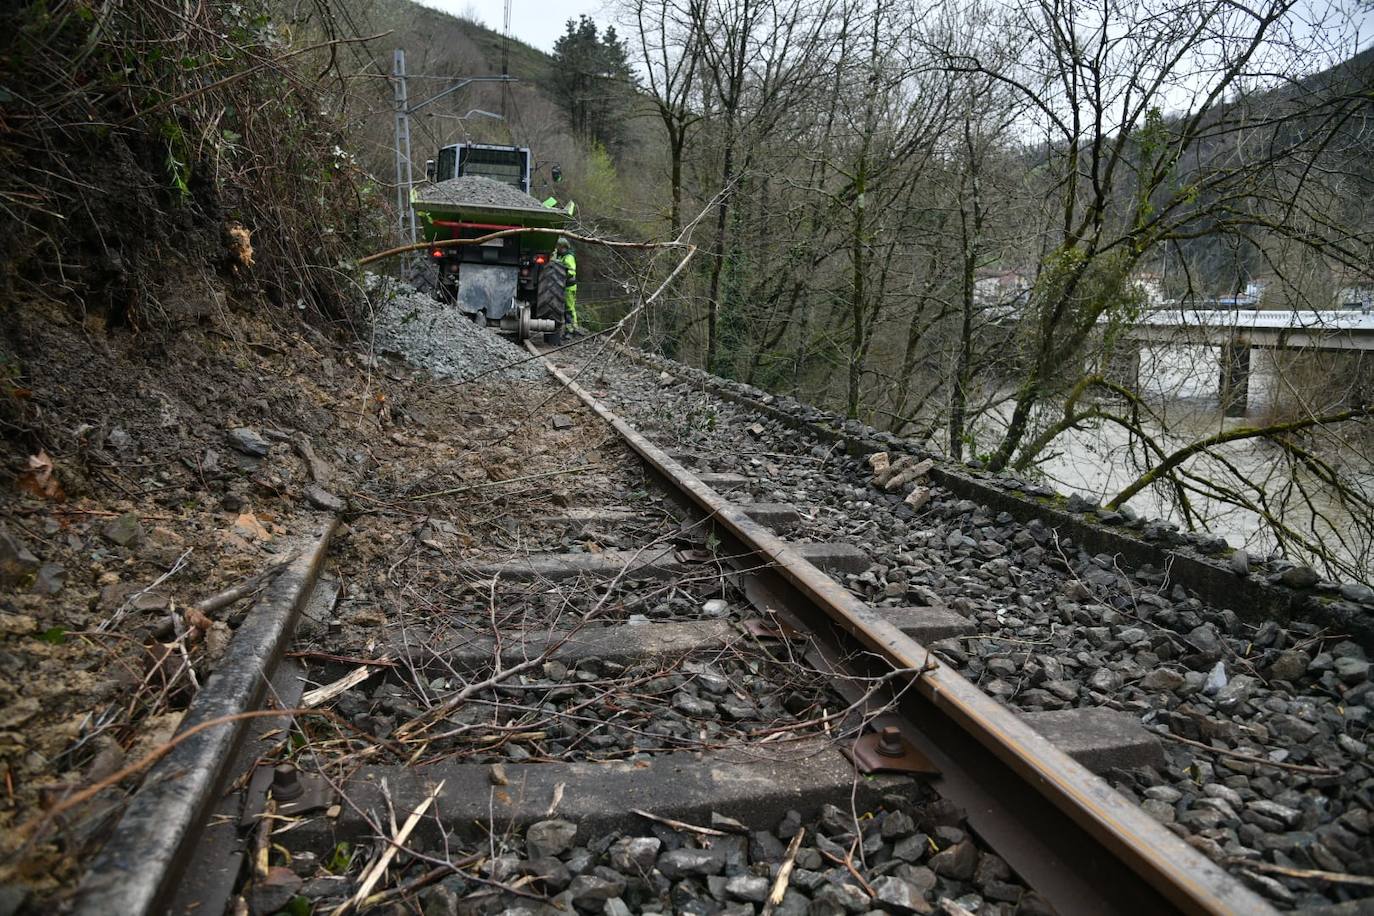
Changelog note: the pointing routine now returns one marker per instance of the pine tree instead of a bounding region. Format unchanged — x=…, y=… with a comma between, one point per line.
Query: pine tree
x=592, y=80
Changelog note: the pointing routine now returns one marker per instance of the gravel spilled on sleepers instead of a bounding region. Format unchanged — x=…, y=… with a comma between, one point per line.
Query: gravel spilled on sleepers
x=907, y=853
x=1059, y=628
x=438, y=337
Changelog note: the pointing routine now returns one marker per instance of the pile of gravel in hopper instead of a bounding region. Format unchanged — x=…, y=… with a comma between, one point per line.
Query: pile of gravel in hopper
x=475, y=190
x=440, y=338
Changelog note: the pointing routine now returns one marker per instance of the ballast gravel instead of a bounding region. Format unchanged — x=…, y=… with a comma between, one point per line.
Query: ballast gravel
x=475, y=190
x=438, y=337
x=913, y=858
x=1266, y=728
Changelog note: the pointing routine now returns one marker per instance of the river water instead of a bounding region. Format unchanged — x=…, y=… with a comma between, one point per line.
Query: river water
x=1181, y=385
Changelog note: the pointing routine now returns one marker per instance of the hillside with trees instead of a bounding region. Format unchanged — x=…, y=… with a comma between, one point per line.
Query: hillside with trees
x=864, y=172
x=926, y=220
x=938, y=221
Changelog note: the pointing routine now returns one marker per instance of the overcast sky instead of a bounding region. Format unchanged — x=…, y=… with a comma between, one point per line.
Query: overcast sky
x=535, y=22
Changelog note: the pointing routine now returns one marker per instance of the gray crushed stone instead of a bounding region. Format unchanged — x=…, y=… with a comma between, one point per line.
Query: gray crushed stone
x=1060, y=627
x=475, y=190
x=438, y=337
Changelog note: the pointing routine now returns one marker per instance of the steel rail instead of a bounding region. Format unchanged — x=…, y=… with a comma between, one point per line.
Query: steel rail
x=1083, y=845
x=137, y=871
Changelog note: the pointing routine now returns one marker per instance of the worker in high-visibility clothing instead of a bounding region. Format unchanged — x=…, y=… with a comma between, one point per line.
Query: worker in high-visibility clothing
x=564, y=253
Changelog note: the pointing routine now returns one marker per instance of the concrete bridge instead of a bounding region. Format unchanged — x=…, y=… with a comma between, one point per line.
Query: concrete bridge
x=1235, y=332
x=1322, y=330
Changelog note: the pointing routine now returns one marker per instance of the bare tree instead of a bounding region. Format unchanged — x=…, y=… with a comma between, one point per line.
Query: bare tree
x=759, y=56
x=1124, y=179
x=870, y=172
x=671, y=48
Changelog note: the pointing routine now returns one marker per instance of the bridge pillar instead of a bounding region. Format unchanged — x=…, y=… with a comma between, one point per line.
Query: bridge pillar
x=1123, y=365
x=1234, y=377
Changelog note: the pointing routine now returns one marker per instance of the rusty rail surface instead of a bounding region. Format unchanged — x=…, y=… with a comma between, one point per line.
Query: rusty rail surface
x=137, y=871
x=1081, y=844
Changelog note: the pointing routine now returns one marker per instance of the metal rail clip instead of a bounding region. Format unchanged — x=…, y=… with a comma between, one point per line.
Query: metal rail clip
x=769, y=629
x=296, y=794
x=886, y=751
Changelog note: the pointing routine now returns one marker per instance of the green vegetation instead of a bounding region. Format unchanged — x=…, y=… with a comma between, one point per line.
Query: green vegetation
x=139, y=136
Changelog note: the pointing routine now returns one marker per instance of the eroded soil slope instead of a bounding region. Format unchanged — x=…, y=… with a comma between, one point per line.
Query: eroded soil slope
x=146, y=472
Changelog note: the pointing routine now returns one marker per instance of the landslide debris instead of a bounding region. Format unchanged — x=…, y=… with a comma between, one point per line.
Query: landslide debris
x=188, y=461
x=438, y=337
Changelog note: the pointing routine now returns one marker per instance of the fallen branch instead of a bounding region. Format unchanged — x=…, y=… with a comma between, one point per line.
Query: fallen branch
x=443, y=709
x=262, y=842
x=848, y=863
x=784, y=874
x=492, y=483
x=118, y=615
x=482, y=240
x=386, y=662
x=374, y=873
x=147, y=760
x=679, y=825
x=233, y=593
x=426, y=719
x=434, y=874
x=1313, y=874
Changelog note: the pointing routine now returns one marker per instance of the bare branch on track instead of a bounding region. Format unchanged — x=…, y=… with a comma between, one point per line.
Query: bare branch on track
x=493, y=483
x=374, y=874
x=784, y=874
x=233, y=593
x=124, y=608
x=679, y=825
x=33, y=824
x=1252, y=758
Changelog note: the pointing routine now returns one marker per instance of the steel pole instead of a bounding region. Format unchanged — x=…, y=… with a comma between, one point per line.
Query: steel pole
x=398, y=74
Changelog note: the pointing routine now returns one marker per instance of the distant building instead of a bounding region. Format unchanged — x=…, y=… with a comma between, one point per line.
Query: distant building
x=1355, y=293
x=1257, y=286
x=1000, y=287
x=1151, y=284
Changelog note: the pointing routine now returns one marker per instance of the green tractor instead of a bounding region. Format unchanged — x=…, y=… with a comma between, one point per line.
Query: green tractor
x=513, y=283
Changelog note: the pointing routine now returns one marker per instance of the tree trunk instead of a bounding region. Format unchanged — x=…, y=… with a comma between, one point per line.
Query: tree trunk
x=1026, y=399
x=970, y=229
x=959, y=394
x=676, y=143
x=718, y=259
x=856, y=299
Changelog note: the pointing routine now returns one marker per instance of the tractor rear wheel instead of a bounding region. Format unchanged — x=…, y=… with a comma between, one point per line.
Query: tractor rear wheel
x=551, y=298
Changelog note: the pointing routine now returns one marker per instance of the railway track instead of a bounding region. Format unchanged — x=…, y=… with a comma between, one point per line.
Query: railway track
x=646, y=724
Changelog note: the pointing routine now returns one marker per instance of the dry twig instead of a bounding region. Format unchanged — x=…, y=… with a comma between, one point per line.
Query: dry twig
x=1312, y=874
x=784, y=874
x=1252, y=758
x=374, y=874
x=679, y=825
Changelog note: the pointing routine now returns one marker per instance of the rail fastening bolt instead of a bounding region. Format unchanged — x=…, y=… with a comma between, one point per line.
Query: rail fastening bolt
x=890, y=742
x=286, y=784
